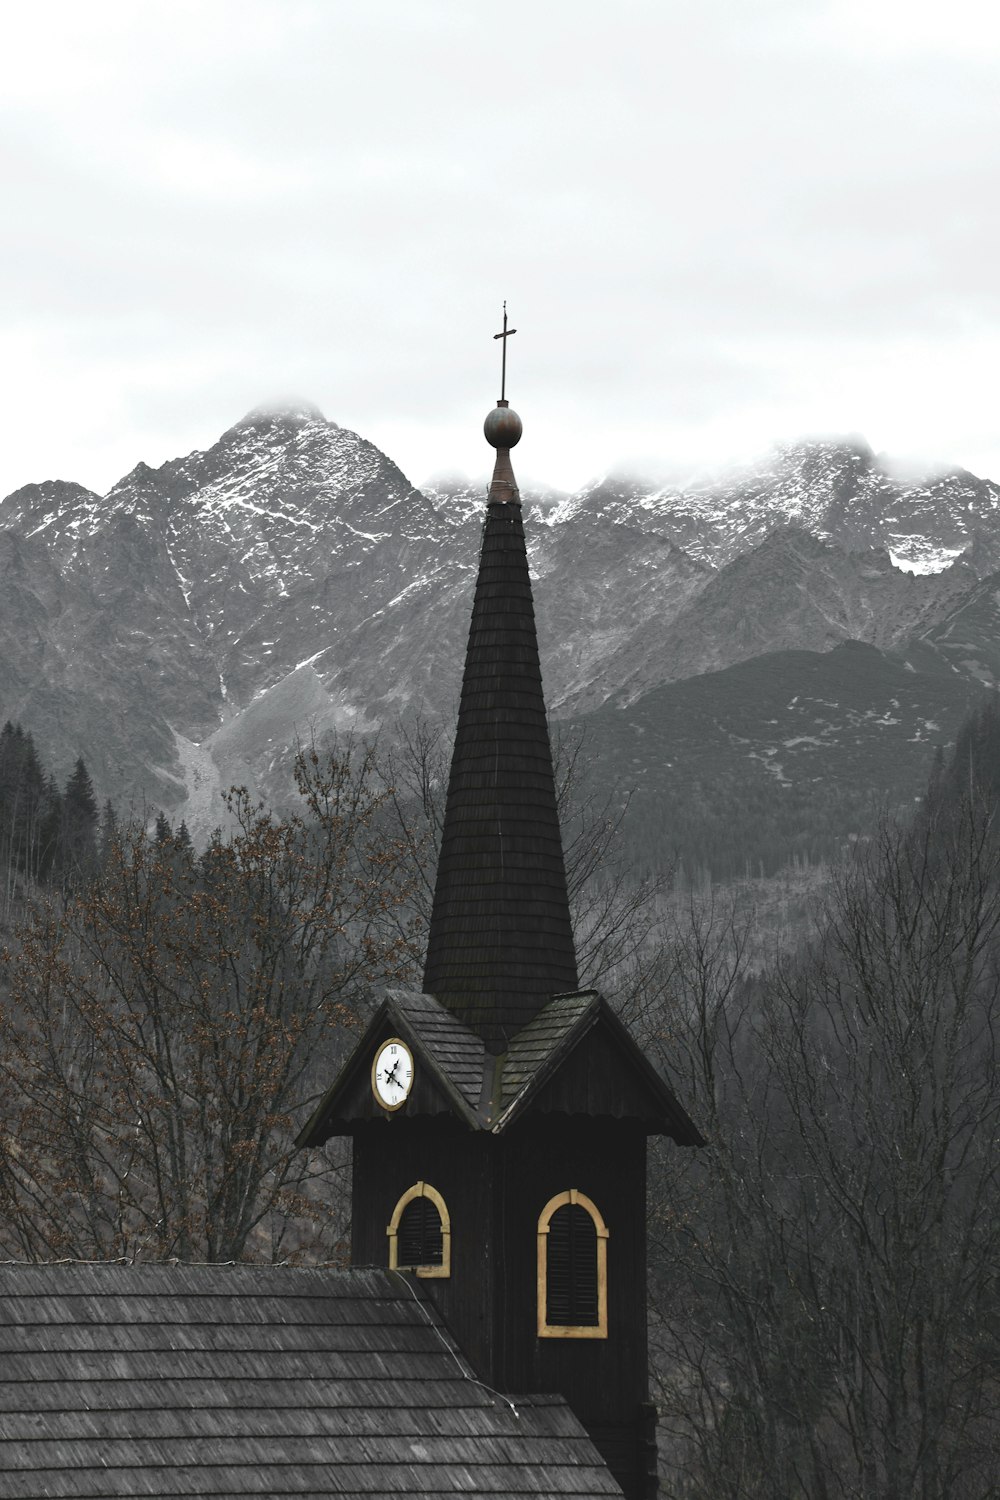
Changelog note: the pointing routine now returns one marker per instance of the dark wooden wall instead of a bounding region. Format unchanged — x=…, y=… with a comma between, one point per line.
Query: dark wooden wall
x=390, y=1155
x=600, y=1080
x=495, y=1189
x=604, y=1379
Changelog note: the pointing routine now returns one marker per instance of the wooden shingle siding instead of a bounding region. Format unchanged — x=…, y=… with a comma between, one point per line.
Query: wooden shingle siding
x=500, y=939
x=233, y=1381
x=576, y=1058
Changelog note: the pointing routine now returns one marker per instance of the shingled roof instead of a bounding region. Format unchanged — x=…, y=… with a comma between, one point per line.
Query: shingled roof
x=542, y=1040
x=457, y=1052
x=488, y=1091
x=232, y=1381
x=500, y=940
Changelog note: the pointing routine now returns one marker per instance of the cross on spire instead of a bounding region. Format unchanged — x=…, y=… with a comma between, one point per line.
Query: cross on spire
x=505, y=335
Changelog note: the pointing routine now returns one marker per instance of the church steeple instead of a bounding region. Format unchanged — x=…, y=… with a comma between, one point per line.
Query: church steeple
x=500, y=941
x=500, y=1118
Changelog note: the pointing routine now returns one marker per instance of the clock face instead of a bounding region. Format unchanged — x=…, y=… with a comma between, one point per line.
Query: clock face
x=392, y=1073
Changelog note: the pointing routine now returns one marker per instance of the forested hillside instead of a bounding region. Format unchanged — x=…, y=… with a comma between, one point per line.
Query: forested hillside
x=825, y=1306
x=49, y=836
x=774, y=762
x=826, y=1303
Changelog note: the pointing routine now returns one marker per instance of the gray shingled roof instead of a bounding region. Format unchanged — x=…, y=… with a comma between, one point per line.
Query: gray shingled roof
x=234, y=1381
x=541, y=1040
x=488, y=1092
x=458, y=1052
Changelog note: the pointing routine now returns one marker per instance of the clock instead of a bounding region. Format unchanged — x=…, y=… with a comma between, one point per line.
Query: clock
x=392, y=1073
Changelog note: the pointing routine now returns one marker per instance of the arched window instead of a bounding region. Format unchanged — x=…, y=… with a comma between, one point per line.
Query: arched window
x=572, y=1269
x=420, y=1233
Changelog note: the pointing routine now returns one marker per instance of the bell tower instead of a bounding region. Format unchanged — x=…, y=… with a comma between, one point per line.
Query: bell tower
x=500, y=1116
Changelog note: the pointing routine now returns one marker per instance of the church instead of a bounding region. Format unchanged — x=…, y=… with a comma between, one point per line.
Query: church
x=490, y=1336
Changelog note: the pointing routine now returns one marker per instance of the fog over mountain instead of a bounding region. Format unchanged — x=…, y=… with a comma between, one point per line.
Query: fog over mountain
x=183, y=630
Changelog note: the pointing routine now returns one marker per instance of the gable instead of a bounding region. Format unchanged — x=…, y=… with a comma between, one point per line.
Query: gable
x=448, y=1069
x=597, y=1079
x=351, y=1102
x=234, y=1381
x=596, y=1068
x=537, y=1045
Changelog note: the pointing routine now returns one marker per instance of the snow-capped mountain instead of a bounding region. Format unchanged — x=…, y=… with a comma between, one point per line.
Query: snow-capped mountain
x=794, y=591
x=189, y=591
x=838, y=491
x=183, y=629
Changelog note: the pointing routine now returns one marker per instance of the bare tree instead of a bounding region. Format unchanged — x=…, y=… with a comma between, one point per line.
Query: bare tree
x=163, y=1029
x=825, y=1273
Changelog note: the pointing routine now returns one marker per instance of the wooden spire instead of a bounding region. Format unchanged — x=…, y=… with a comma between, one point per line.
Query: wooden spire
x=500, y=939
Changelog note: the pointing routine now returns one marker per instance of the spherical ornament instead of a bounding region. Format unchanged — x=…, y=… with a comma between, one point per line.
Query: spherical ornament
x=502, y=427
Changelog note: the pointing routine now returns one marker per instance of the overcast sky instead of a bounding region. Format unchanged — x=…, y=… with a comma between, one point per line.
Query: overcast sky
x=717, y=223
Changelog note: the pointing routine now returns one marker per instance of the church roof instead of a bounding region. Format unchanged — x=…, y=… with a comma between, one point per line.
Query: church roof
x=234, y=1381
x=535, y=1048
x=576, y=1057
x=500, y=941
x=458, y=1052
x=576, y=1038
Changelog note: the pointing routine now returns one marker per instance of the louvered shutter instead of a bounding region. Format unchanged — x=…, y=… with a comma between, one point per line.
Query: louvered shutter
x=571, y=1270
x=420, y=1241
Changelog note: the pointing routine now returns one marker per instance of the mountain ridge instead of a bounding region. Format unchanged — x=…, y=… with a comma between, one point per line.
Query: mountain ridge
x=194, y=595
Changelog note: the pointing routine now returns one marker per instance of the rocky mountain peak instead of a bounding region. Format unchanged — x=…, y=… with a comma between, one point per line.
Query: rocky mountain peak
x=290, y=578
x=289, y=412
x=34, y=506
x=56, y=512
x=828, y=452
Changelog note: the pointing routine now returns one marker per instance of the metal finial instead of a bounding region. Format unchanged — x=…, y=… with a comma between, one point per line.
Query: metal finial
x=505, y=335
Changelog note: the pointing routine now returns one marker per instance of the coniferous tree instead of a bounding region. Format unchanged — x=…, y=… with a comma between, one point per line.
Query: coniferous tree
x=212, y=860
x=50, y=863
x=22, y=803
x=975, y=764
x=47, y=836
x=9, y=781
x=78, y=826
